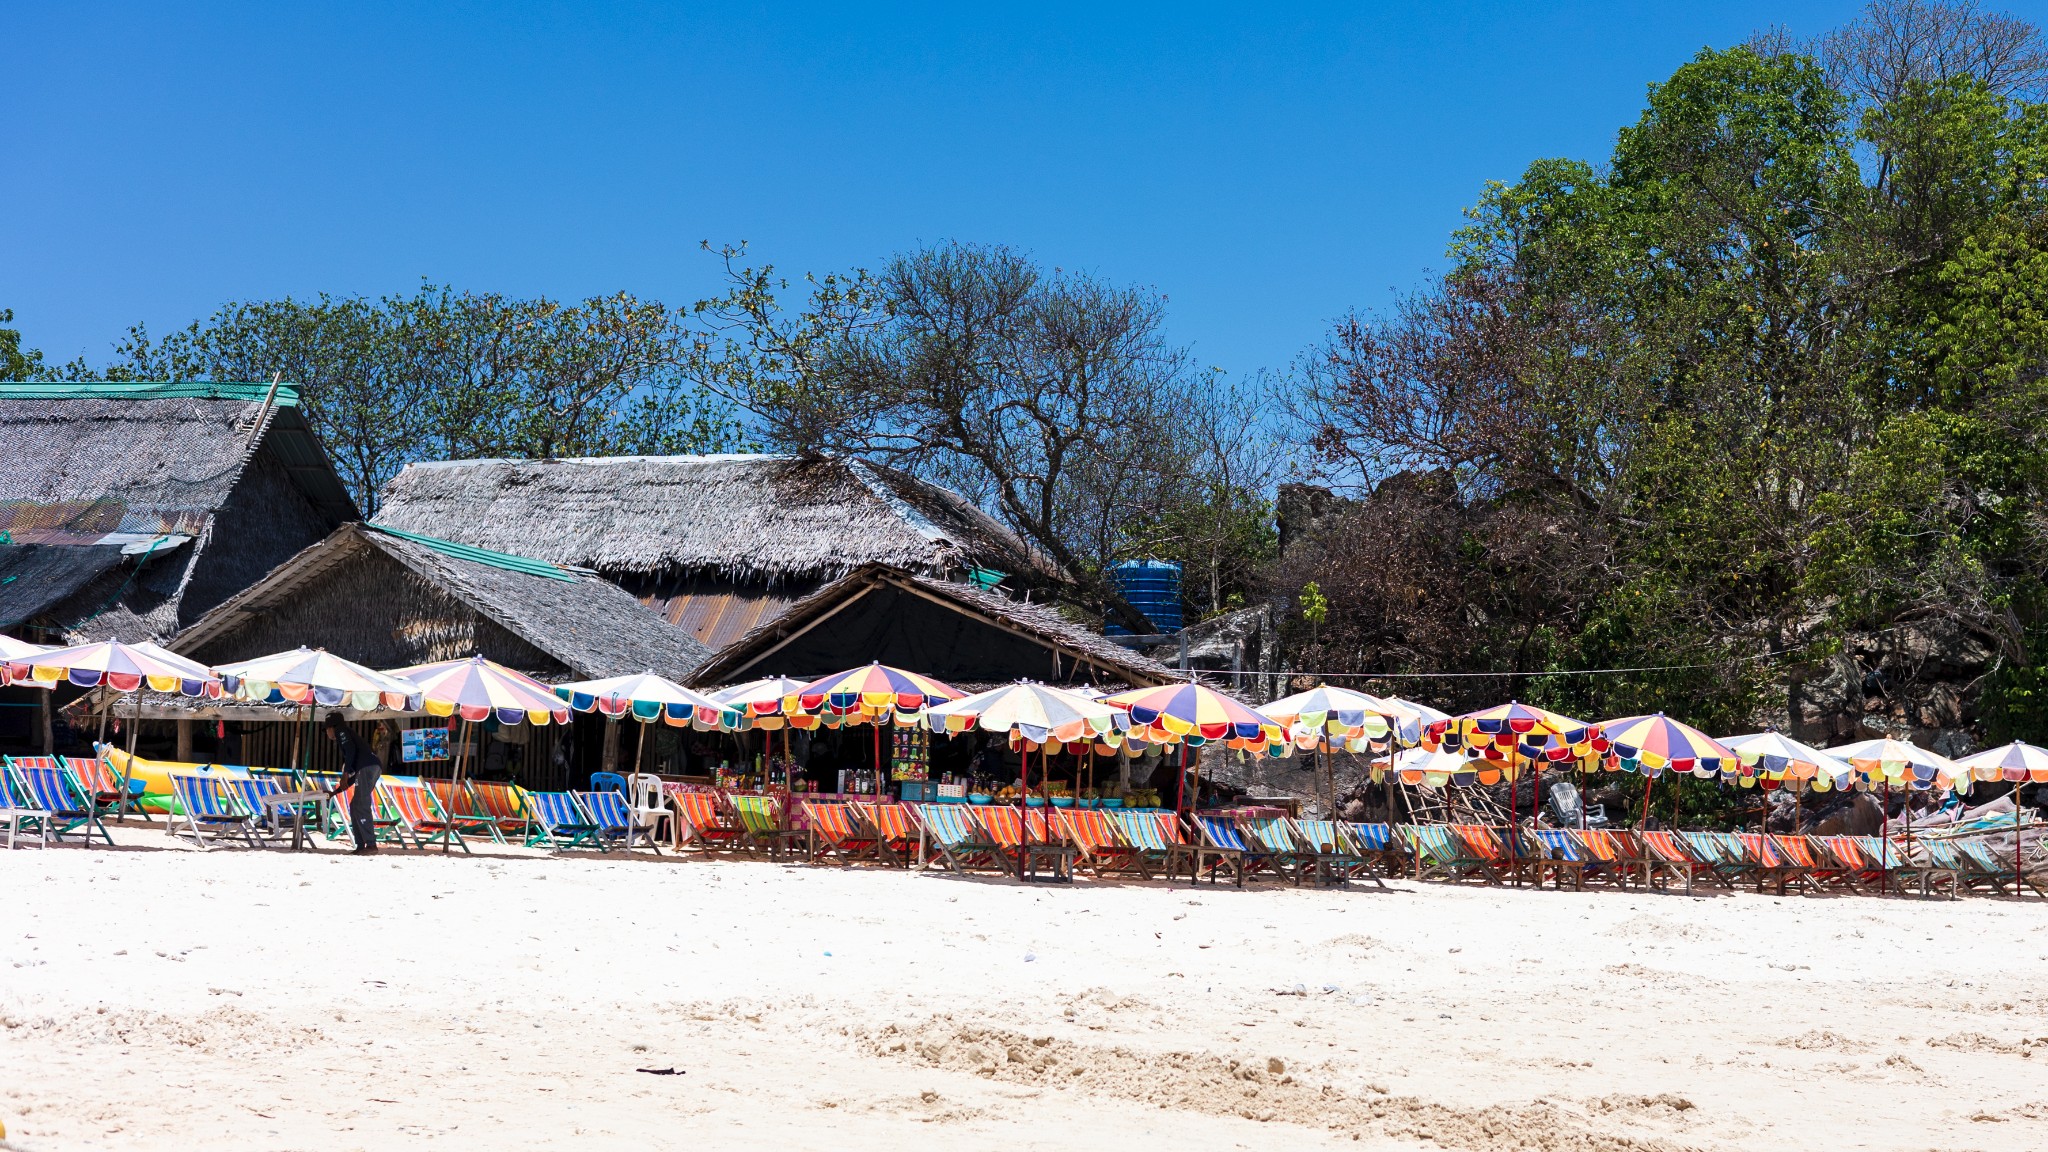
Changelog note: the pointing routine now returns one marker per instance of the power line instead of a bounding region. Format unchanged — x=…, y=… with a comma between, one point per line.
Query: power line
x=1480, y=675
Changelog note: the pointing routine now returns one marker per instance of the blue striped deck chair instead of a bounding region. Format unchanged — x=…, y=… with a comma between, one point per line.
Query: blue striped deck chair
x=1440, y=853
x=949, y=837
x=1558, y=854
x=17, y=809
x=205, y=808
x=1987, y=867
x=267, y=821
x=612, y=817
x=1383, y=854
x=1152, y=836
x=1217, y=846
x=1723, y=855
x=560, y=821
x=1935, y=864
x=1337, y=858
x=49, y=787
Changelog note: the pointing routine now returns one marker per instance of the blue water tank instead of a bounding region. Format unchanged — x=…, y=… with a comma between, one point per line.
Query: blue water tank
x=1152, y=587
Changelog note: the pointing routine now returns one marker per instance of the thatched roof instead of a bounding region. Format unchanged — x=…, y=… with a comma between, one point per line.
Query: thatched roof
x=760, y=519
x=580, y=621
x=86, y=460
x=972, y=639
x=137, y=506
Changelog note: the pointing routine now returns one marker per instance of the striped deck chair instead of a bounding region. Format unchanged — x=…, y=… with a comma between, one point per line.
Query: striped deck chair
x=1665, y=856
x=1854, y=870
x=459, y=803
x=1560, y=854
x=45, y=784
x=17, y=809
x=612, y=817
x=507, y=805
x=559, y=822
x=1376, y=843
x=830, y=830
x=1608, y=857
x=1883, y=854
x=1152, y=837
x=1799, y=861
x=761, y=827
x=699, y=821
x=1936, y=864
x=949, y=836
x=1980, y=868
x=419, y=812
x=267, y=822
x=1338, y=857
x=1271, y=844
x=893, y=829
x=1023, y=835
x=1096, y=844
x=207, y=809
x=1217, y=845
x=108, y=788
x=1486, y=855
x=1732, y=861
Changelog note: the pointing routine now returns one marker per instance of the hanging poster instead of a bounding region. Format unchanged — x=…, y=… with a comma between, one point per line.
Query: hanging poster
x=418, y=744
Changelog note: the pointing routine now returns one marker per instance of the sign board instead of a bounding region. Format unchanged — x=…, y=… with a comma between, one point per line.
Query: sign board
x=424, y=744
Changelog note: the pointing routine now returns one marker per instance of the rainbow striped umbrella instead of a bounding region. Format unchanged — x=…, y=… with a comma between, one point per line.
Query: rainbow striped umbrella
x=1341, y=716
x=2015, y=763
x=121, y=667
x=19, y=652
x=1888, y=761
x=1515, y=731
x=1776, y=756
x=1652, y=744
x=875, y=694
x=477, y=689
x=1196, y=714
x=647, y=697
x=318, y=677
x=1038, y=712
x=758, y=703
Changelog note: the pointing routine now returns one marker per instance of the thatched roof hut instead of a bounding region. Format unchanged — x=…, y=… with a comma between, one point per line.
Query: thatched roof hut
x=130, y=509
x=718, y=545
x=388, y=599
x=956, y=632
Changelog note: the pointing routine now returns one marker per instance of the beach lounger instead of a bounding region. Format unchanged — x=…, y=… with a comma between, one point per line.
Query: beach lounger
x=17, y=810
x=949, y=837
x=613, y=818
x=109, y=789
x=1338, y=857
x=1612, y=858
x=466, y=810
x=892, y=828
x=1276, y=846
x=1378, y=845
x=1215, y=846
x=1727, y=858
x=1096, y=843
x=1560, y=856
x=1853, y=868
x=701, y=823
x=266, y=821
x=207, y=809
x=43, y=783
x=1024, y=836
x=1666, y=855
x=1460, y=852
x=1983, y=868
x=1799, y=861
x=418, y=811
x=1152, y=837
x=761, y=827
x=560, y=822
x=831, y=829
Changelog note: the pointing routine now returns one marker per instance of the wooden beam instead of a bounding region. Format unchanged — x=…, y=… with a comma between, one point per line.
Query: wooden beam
x=785, y=642
x=1079, y=656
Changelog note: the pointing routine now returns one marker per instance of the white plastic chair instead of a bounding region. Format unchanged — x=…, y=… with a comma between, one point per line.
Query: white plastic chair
x=649, y=803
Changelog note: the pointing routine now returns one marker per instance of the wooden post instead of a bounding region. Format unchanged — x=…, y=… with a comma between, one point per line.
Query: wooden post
x=48, y=724
x=184, y=741
x=611, y=744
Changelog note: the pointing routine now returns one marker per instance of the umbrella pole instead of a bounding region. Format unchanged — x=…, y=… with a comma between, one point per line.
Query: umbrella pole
x=1582, y=796
x=455, y=781
x=1180, y=786
x=878, y=761
x=1885, y=835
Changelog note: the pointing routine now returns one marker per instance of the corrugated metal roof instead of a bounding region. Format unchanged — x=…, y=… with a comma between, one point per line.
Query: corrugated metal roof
x=719, y=617
x=287, y=395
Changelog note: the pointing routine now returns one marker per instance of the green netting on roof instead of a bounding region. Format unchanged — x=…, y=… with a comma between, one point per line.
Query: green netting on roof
x=287, y=394
x=505, y=560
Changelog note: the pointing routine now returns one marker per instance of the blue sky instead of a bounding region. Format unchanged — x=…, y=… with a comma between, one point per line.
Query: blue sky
x=1267, y=167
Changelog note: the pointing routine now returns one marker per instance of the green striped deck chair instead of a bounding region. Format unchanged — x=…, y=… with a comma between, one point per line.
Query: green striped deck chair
x=1670, y=854
x=1338, y=858
x=951, y=839
x=1271, y=845
x=760, y=822
x=1153, y=837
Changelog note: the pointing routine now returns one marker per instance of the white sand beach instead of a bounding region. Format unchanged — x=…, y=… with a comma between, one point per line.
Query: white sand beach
x=157, y=998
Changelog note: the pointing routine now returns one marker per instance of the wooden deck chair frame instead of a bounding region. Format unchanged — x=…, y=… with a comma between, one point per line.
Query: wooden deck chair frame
x=1273, y=844
x=1666, y=855
x=1798, y=862
x=1731, y=861
x=831, y=829
x=1023, y=837
x=1379, y=844
x=762, y=829
x=1214, y=845
x=1560, y=856
x=1152, y=838
x=1097, y=846
x=16, y=808
x=1610, y=859
x=1854, y=870
x=892, y=828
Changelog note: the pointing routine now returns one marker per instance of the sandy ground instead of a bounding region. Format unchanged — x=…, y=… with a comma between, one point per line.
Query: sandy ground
x=164, y=998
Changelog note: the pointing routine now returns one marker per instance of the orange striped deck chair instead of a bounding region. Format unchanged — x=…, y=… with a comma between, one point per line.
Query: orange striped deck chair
x=830, y=828
x=1021, y=835
x=1665, y=856
x=1096, y=845
x=1769, y=864
x=106, y=787
x=1800, y=861
x=699, y=823
x=460, y=805
x=894, y=830
x=419, y=814
x=1486, y=853
x=1607, y=857
x=1857, y=870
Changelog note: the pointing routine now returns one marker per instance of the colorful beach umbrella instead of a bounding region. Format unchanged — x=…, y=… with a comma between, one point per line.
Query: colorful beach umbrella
x=758, y=703
x=121, y=668
x=1656, y=743
x=1423, y=712
x=1887, y=761
x=874, y=694
x=1198, y=714
x=1327, y=715
x=1776, y=756
x=647, y=697
x=1513, y=733
x=1038, y=712
x=2015, y=763
x=1422, y=766
x=314, y=676
x=477, y=689
x=19, y=652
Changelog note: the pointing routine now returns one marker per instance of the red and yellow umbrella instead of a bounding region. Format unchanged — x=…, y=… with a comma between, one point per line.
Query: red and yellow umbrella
x=1515, y=733
x=1656, y=743
x=121, y=667
x=477, y=689
x=1197, y=714
x=875, y=694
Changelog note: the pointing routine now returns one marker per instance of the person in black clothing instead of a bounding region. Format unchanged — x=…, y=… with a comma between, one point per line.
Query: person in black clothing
x=360, y=768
